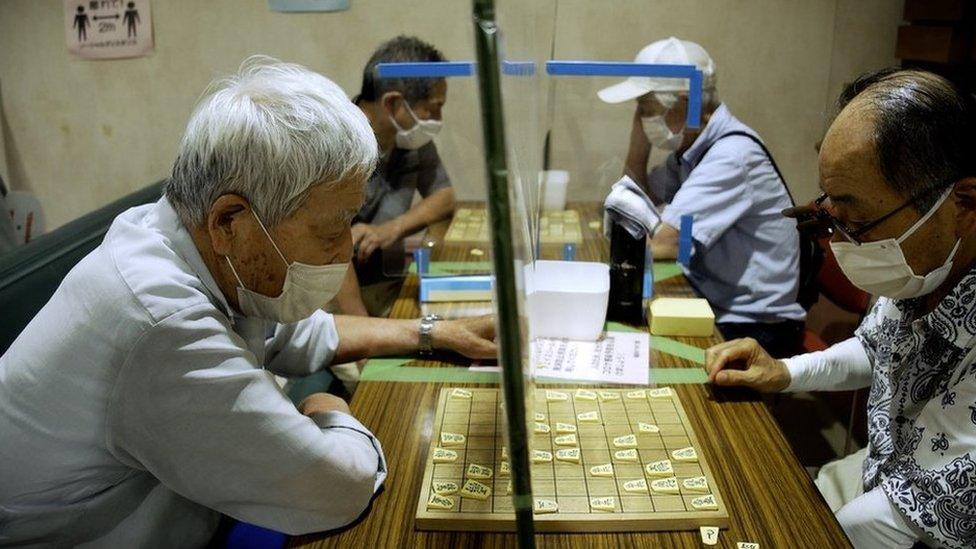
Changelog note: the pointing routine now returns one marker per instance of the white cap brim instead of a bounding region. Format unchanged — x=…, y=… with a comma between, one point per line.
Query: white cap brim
x=624, y=91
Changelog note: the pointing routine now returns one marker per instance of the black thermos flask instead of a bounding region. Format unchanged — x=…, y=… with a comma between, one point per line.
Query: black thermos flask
x=627, y=256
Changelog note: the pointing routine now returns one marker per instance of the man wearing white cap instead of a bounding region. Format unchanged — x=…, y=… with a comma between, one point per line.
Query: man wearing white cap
x=745, y=258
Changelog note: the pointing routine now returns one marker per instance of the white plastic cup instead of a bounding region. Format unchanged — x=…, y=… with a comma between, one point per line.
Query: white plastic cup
x=567, y=299
x=554, y=185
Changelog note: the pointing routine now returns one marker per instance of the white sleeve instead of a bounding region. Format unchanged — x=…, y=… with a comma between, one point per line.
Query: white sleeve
x=302, y=348
x=193, y=408
x=872, y=522
x=841, y=367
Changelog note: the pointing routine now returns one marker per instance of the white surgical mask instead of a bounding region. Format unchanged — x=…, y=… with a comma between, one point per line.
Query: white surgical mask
x=420, y=134
x=306, y=289
x=880, y=268
x=659, y=134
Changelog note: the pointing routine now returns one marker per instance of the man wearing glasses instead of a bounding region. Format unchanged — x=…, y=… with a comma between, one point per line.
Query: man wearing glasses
x=899, y=178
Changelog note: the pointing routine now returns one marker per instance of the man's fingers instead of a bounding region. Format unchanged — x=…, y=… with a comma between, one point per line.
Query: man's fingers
x=720, y=356
x=745, y=378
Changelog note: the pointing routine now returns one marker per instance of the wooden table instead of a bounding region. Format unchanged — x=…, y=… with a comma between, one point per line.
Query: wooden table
x=770, y=497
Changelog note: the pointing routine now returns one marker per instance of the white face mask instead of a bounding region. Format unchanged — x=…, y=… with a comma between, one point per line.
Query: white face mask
x=306, y=289
x=420, y=134
x=880, y=268
x=659, y=134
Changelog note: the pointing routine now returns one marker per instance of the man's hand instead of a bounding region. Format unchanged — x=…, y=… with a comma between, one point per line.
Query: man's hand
x=471, y=337
x=369, y=238
x=323, y=402
x=743, y=362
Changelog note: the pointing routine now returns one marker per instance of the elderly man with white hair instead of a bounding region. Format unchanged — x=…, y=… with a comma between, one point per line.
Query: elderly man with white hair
x=139, y=403
x=745, y=257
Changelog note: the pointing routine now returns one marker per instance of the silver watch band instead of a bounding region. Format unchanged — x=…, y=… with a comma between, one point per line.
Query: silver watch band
x=426, y=327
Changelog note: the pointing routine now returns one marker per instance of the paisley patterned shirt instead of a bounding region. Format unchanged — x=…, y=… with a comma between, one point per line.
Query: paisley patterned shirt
x=922, y=411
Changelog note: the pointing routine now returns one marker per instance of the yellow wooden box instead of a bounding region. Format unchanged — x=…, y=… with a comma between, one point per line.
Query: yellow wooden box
x=680, y=316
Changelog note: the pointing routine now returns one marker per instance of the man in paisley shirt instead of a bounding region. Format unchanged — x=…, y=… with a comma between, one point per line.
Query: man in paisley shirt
x=898, y=174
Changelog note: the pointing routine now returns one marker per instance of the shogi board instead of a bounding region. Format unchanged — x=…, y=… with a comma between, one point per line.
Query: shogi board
x=470, y=226
x=571, y=485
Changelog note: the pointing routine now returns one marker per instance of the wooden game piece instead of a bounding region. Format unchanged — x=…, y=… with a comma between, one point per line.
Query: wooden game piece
x=625, y=455
x=593, y=225
x=565, y=440
x=460, y=394
x=504, y=452
x=444, y=488
x=648, y=428
x=543, y=506
x=541, y=428
x=504, y=469
x=584, y=394
x=477, y=252
x=637, y=395
x=477, y=471
x=565, y=428
x=704, y=503
x=665, y=485
x=443, y=455
x=685, y=455
x=661, y=468
x=603, y=504
x=452, y=439
x=475, y=490
x=508, y=488
x=626, y=441
x=609, y=395
x=605, y=470
x=539, y=416
x=588, y=417
x=568, y=454
x=695, y=484
x=661, y=393
x=440, y=502
x=556, y=396
x=541, y=456
x=709, y=535
x=639, y=485
x=746, y=545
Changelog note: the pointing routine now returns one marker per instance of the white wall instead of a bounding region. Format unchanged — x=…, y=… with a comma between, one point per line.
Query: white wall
x=81, y=133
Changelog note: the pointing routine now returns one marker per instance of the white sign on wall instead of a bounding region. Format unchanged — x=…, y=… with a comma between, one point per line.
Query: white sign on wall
x=108, y=29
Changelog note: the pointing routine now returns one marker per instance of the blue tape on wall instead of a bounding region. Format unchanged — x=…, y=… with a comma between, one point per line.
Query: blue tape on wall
x=440, y=69
x=569, y=252
x=518, y=68
x=685, y=241
x=608, y=68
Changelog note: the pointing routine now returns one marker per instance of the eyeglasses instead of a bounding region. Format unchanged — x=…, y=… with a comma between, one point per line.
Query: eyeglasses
x=827, y=220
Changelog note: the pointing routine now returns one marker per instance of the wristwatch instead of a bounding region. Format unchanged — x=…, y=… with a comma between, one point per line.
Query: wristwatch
x=426, y=347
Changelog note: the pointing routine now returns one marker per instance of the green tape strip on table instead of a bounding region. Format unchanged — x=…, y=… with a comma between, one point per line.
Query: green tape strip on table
x=394, y=370
x=450, y=268
x=664, y=271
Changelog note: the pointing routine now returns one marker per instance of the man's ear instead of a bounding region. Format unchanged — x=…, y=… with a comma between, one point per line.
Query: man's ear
x=224, y=222
x=390, y=101
x=964, y=196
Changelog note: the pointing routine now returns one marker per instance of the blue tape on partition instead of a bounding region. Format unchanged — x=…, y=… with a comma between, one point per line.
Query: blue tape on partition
x=609, y=68
x=685, y=241
x=569, y=252
x=437, y=69
x=421, y=256
x=648, y=273
x=518, y=68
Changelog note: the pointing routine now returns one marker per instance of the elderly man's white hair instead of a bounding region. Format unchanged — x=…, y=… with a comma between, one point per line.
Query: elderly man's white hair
x=268, y=133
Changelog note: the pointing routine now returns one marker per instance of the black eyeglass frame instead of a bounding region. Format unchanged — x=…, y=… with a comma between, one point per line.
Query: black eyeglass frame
x=853, y=235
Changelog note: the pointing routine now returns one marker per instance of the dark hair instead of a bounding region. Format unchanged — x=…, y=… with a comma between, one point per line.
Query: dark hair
x=923, y=131
x=399, y=50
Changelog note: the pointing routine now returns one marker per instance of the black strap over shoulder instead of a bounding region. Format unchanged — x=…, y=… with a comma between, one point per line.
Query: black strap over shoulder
x=811, y=254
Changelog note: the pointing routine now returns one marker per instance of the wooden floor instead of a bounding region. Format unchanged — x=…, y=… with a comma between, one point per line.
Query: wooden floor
x=770, y=498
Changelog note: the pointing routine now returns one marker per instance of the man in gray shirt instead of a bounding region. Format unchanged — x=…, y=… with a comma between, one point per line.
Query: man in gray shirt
x=405, y=115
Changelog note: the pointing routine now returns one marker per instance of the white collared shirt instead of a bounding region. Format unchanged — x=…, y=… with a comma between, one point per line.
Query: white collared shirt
x=136, y=405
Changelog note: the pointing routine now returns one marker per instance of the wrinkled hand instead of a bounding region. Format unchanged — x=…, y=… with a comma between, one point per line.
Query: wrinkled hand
x=471, y=337
x=323, y=402
x=366, y=238
x=744, y=362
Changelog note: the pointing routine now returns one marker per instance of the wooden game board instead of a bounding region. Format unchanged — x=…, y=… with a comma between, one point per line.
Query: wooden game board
x=470, y=226
x=571, y=485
